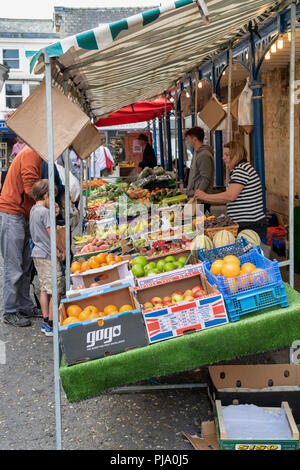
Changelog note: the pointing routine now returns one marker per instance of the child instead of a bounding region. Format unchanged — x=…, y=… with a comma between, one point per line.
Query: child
x=40, y=233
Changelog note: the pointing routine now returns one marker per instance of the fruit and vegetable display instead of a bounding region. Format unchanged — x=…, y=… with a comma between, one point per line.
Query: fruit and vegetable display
x=224, y=238
x=196, y=292
x=76, y=314
x=141, y=267
x=148, y=175
x=241, y=276
x=95, y=183
x=97, y=261
x=162, y=247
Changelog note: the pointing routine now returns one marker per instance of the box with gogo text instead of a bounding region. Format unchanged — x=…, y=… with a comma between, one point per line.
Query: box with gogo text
x=105, y=335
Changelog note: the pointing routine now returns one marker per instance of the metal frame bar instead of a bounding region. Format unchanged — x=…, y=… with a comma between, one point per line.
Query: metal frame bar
x=56, y=350
x=292, y=143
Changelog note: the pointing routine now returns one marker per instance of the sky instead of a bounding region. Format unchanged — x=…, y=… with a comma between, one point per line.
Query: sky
x=43, y=9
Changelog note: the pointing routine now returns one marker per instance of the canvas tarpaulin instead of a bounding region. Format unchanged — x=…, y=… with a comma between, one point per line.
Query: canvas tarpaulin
x=140, y=57
x=138, y=112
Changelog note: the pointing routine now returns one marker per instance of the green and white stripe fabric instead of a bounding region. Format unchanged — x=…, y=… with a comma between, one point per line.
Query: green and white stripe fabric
x=140, y=57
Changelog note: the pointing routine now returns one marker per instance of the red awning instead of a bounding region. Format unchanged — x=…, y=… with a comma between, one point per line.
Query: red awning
x=138, y=112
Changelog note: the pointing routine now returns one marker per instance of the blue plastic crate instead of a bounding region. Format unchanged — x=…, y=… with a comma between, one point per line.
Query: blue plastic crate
x=260, y=299
x=250, y=292
x=270, y=275
x=239, y=248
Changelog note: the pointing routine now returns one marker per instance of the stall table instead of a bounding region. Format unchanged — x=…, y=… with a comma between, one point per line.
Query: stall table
x=254, y=333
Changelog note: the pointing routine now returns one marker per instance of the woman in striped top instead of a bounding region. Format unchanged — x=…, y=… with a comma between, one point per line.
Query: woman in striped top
x=243, y=195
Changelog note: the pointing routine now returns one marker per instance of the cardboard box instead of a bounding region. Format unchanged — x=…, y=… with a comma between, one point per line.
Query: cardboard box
x=29, y=121
x=208, y=441
x=104, y=275
x=185, y=317
x=77, y=292
x=261, y=385
x=177, y=254
x=241, y=444
x=167, y=276
x=212, y=114
x=113, y=334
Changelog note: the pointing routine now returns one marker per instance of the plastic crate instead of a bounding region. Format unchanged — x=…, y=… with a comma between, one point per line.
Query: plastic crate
x=260, y=299
x=239, y=248
x=270, y=276
x=250, y=292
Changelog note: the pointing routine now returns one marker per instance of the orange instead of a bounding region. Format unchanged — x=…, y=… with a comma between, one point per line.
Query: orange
x=101, y=258
x=231, y=259
x=94, y=315
x=70, y=320
x=75, y=267
x=85, y=266
x=73, y=310
x=259, y=277
x=110, y=257
x=109, y=309
x=232, y=286
x=247, y=268
x=101, y=314
x=91, y=309
x=118, y=259
x=93, y=262
x=102, y=265
x=216, y=267
x=126, y=308
x=230, y=270
x=84, y=315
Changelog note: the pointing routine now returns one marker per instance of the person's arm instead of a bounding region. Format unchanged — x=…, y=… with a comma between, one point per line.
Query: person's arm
x=230, y=195
x=30, y=172
x=205, y=167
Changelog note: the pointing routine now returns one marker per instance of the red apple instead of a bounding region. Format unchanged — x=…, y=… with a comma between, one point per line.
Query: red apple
x=148, y=305
x=188, y=292
x=177, y=298
x=94, y=284
x=177, y=293
x=158, y=305
x=188, y=297
x=195, y=288
x=167, y=300
x=199, y=293
x=156, y=300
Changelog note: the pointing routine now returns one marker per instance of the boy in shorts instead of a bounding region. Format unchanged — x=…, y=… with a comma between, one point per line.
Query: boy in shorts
x=40, y=233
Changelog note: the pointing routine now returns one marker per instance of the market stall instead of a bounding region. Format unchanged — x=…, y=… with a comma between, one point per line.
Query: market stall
x=155, y=295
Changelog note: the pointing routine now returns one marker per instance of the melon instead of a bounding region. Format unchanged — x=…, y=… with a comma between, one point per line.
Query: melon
x=223, y=238
x=251, y=236
x=201, y=242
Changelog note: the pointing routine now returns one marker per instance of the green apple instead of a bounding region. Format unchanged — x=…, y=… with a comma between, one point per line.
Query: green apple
x=169, y=267
x=150, y=266
x=177, y=265
x=138, y=270
x=170, y=259
x=182, y=260
x=140, y=260
x=160, y=265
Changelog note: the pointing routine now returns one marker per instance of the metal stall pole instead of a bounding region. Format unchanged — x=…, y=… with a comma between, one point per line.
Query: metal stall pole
x=67, y=208
x=154, y=136
x=86, y=182
x=53, y=247
x=81, y=199
x=292, y=142
x=161, y=143
x=229, y=94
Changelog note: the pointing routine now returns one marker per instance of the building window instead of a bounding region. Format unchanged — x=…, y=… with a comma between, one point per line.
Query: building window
x=13, y=95
x=11, y=58
x=32, y=87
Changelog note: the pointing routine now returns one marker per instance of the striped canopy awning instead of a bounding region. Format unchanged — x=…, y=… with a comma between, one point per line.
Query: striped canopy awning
x=141, y=57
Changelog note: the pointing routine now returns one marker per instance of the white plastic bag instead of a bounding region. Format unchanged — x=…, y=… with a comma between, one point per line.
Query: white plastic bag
x=245, y=107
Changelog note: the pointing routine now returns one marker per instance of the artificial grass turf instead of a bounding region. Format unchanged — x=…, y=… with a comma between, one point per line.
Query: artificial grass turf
x=254, y=333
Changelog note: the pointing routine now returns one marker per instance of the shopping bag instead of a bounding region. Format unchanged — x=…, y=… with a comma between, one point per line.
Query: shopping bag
x=245, y=107
x=109, y=163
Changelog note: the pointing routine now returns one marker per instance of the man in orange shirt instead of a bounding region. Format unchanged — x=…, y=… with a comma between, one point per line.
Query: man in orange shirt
x=15, y=205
